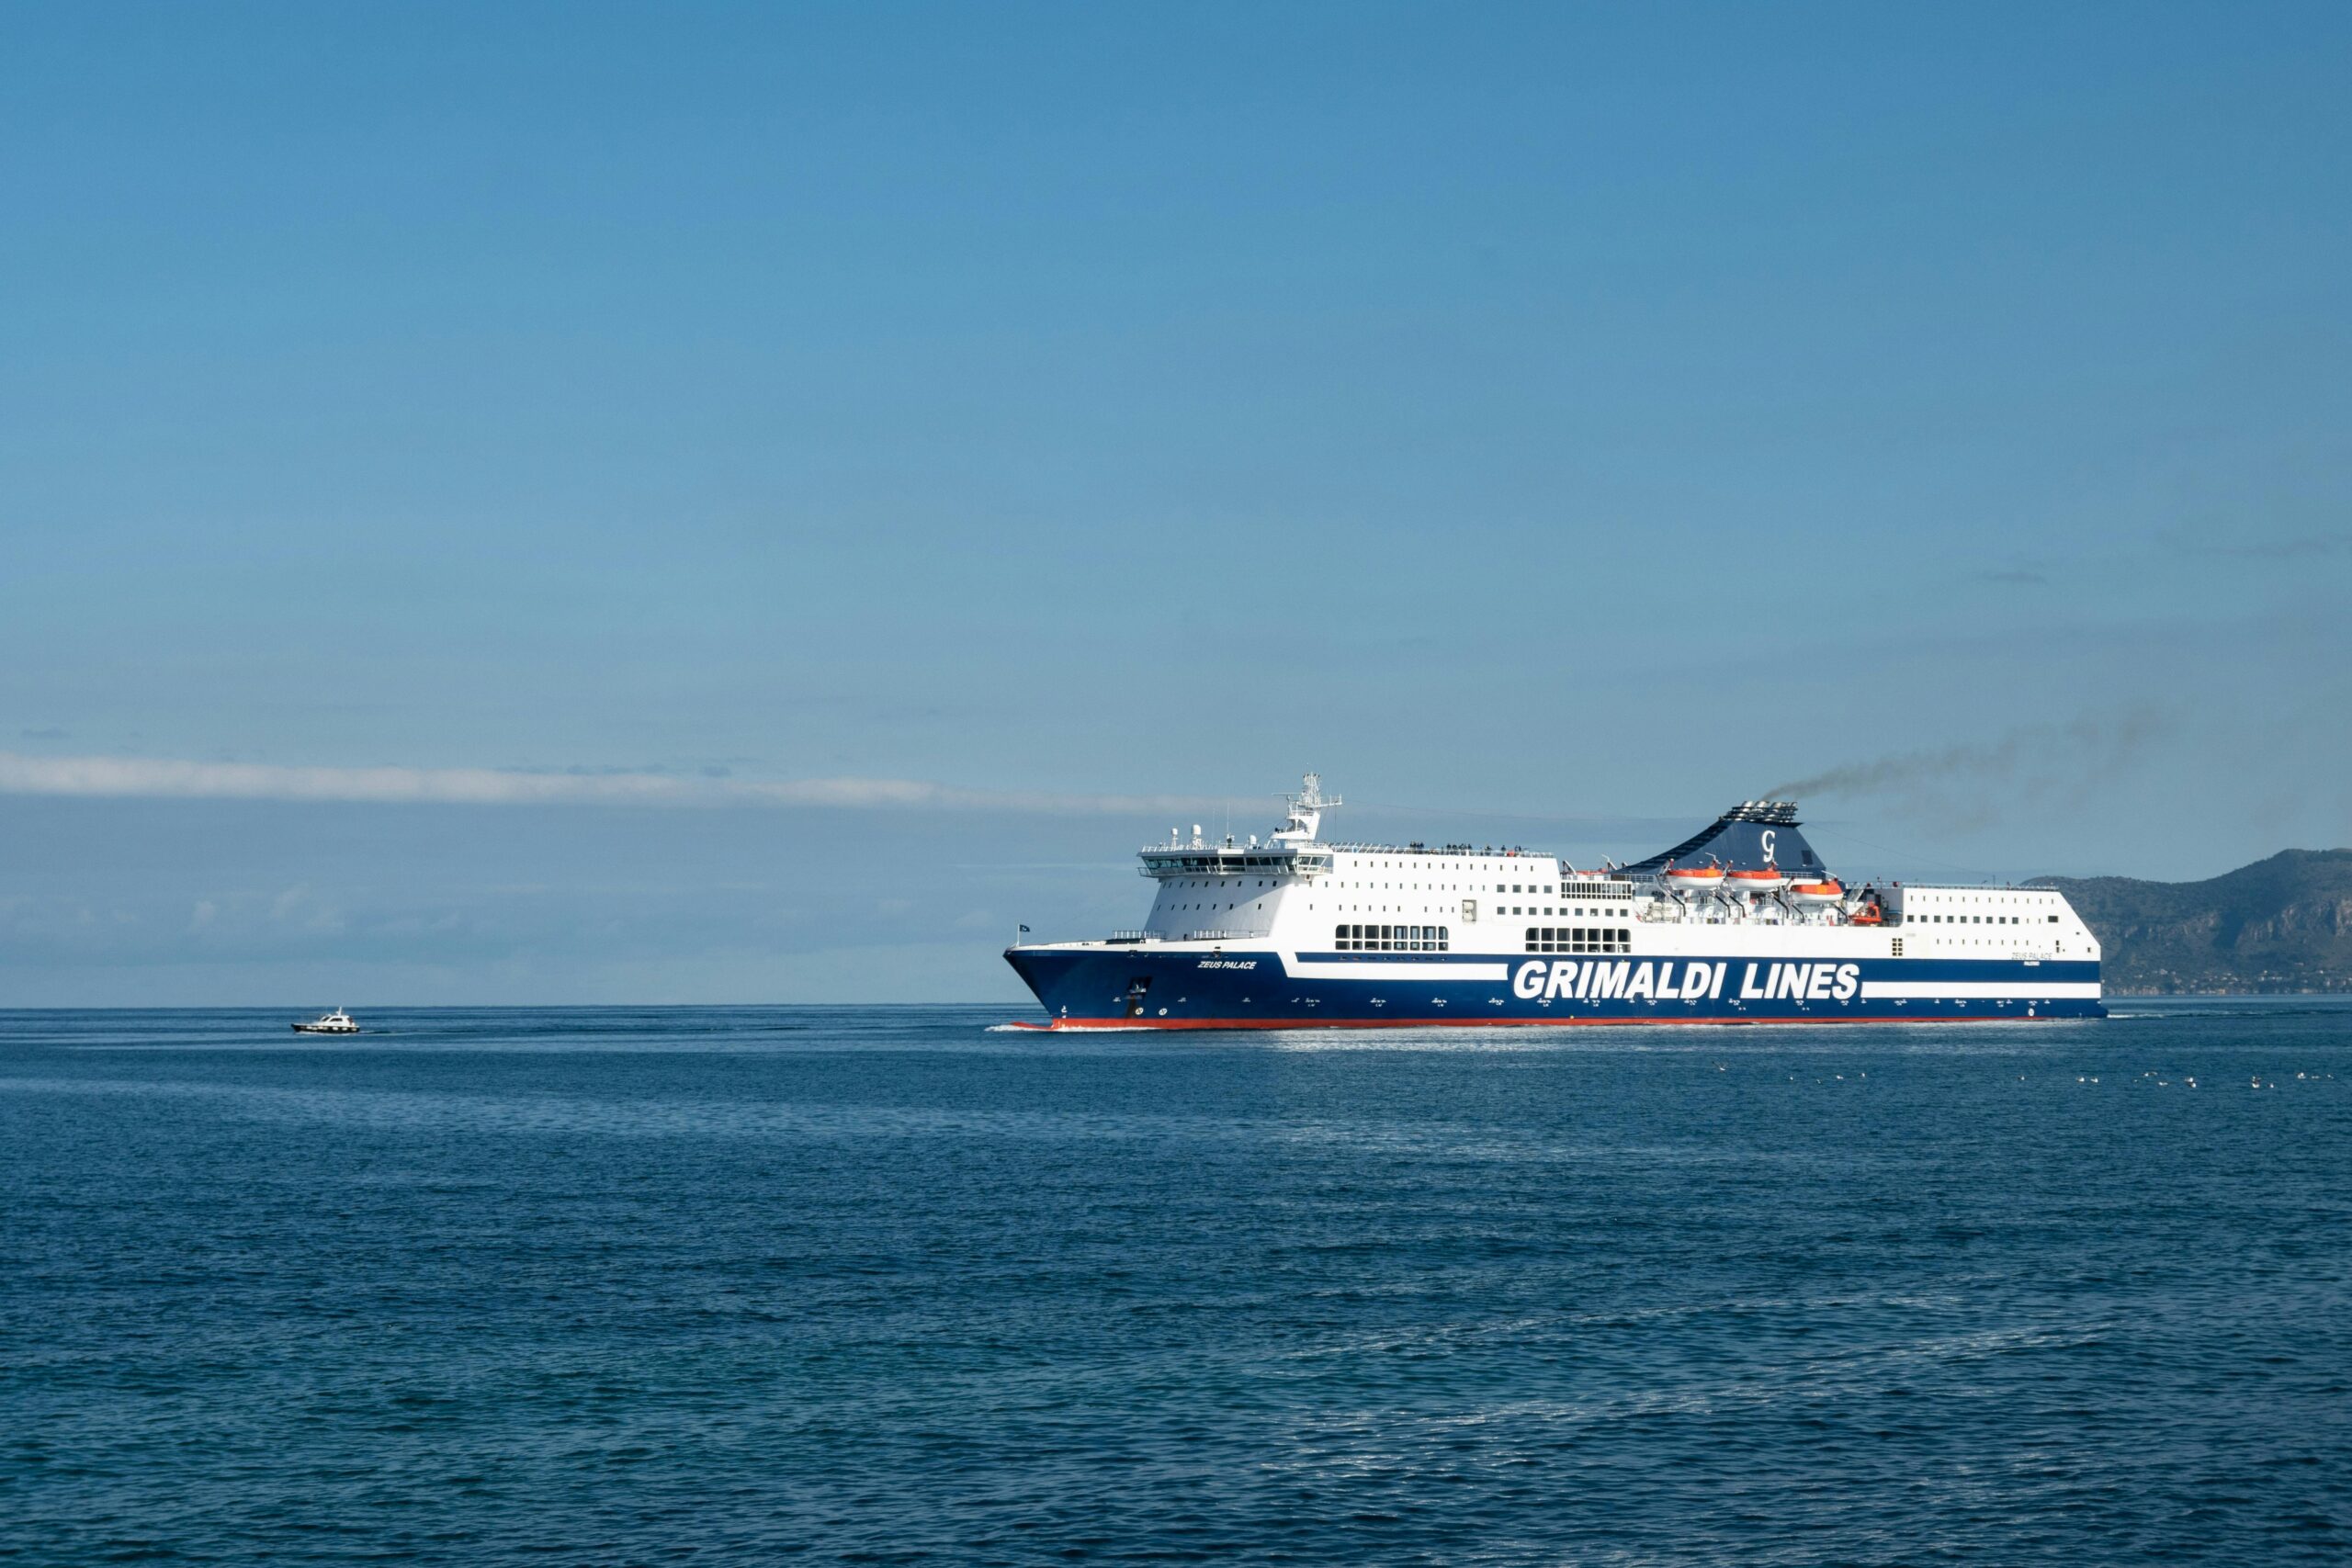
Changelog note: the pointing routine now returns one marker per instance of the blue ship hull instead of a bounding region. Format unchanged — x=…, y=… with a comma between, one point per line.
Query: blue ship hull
x=1139, y=987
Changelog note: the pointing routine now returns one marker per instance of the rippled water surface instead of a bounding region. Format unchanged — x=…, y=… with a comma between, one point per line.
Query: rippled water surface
x=608, y=1286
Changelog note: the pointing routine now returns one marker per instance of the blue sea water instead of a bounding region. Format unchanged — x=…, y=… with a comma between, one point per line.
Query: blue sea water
x=608, y=1286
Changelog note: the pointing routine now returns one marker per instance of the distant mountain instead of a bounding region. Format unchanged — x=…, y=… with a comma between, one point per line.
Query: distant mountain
x=2281, y=924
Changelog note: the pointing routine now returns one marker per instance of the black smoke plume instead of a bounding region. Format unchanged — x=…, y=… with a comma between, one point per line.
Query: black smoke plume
x=1973, y=784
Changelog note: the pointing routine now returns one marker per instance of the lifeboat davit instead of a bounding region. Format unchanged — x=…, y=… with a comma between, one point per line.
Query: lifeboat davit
x=1817, y=895
x=1759, y=882
x=1694, y=878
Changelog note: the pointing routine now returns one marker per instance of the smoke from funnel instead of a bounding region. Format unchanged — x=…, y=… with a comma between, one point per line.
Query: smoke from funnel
x=1972, y=783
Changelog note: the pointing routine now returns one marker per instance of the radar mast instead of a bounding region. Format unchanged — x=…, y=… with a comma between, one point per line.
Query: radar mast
x=1306, y=809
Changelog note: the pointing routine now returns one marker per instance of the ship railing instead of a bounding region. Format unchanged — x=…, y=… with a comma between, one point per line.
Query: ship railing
x=1207, y=852
x=1138, y=938
x=1220, y=851
x=1493, y=851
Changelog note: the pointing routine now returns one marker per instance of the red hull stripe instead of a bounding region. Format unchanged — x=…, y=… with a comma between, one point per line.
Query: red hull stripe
x=1075, y=1023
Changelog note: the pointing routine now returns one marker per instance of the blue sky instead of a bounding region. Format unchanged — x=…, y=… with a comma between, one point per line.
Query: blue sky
x=1552, y=423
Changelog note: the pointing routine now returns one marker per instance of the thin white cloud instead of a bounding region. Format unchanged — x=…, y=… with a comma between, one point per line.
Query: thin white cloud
x=160, y=778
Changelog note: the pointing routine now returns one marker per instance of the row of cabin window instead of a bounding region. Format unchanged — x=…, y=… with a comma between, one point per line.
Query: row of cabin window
x=1579, y=939
x=1393, y=939
x=1540, y=890
x=1973, y=920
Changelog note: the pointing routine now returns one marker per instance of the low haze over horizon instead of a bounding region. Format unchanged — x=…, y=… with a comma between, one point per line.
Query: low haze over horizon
x=737, y=504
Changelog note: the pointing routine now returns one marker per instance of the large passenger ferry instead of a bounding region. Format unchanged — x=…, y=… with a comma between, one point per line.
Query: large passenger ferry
x=1739, y=924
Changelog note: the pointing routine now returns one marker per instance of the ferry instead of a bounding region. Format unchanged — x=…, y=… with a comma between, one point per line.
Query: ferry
x=1739, y=924
x=335, y=1022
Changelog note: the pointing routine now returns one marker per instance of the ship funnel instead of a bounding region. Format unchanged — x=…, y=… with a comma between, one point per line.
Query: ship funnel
x=1754, y=835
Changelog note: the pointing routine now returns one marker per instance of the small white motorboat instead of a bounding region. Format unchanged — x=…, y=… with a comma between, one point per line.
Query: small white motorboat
x=335, y=1022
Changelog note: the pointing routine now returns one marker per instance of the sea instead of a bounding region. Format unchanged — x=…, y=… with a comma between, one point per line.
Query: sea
x=720, y=1285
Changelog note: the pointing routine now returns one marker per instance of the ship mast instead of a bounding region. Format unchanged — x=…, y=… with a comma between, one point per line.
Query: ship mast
x=1306, y=809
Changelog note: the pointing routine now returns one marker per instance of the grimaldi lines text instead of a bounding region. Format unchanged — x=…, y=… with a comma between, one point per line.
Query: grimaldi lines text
x=1739, y=924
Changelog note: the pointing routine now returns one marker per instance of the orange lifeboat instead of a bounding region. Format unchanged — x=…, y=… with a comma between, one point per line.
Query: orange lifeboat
x=1694, y=878
x=1817, y=895
x=1769, y=880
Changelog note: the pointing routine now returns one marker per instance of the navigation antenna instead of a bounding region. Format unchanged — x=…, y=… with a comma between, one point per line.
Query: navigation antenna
x=1306, y=809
